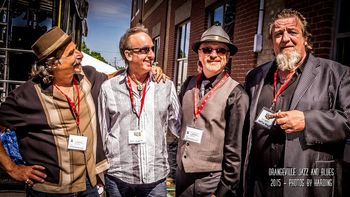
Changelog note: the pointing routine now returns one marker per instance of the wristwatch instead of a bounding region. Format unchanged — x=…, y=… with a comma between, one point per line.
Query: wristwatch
x=100, y=189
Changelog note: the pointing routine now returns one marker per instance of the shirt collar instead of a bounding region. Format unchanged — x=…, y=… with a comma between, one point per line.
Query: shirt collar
x=214, y=79
x=124, y=75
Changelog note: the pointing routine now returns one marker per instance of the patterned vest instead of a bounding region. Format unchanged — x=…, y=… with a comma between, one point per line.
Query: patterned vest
x=206, y=156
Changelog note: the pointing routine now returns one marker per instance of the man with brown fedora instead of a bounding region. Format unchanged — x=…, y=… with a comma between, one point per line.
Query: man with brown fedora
x=214, y=108
x=54, y=117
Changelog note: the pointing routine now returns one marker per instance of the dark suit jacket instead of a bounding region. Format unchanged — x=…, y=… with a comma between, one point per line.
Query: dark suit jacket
x=323, y=94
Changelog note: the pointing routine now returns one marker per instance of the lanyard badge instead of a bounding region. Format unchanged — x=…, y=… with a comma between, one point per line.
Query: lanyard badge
x=75, y=109
x=76, y=142
x=198, y=109
x=264, y=118
x=193, y=135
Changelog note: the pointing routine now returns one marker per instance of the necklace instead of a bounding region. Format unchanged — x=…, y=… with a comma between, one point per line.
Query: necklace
x=139, y=85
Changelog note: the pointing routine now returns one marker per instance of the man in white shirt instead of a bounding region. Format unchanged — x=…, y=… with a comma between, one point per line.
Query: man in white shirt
x=135, y=113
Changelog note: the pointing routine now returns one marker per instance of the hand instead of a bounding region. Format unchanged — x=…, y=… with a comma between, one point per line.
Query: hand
x=115, y=73
x=158, y=74
x=100, y=184
x=290, y=121
x=212, y=195
x=28, y=174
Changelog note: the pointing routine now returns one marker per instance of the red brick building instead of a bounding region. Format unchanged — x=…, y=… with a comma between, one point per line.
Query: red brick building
x=175, y=24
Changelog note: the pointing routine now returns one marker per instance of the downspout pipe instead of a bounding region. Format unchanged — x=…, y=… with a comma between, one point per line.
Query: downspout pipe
x=258, y=36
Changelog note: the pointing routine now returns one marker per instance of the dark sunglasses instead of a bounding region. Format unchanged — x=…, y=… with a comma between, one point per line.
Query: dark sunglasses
x=208, y=50
x=143, y=50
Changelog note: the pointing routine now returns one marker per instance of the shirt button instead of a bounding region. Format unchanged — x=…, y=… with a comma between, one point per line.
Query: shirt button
x=187, y=144
x=185, y=156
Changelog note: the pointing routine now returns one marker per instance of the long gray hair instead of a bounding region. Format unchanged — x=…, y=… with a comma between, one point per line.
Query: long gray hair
x=43, y=70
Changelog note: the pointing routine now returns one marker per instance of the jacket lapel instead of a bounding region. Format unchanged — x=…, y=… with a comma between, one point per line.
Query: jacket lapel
x=308, y=76
x=256, y=90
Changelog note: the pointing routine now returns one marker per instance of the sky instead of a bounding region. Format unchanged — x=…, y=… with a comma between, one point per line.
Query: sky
x=107, y=21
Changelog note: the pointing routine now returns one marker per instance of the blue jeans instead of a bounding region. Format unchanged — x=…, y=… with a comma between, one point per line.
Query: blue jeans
x=117, y=188
x=89, y=192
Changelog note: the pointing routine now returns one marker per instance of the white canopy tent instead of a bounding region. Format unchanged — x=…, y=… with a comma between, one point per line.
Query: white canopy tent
x=99, y=65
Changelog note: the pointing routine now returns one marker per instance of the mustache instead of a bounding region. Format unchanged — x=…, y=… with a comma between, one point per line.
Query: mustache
x=77, y=62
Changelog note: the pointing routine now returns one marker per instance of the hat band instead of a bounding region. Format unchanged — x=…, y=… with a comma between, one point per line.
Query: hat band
x=54, y=45
x=218, y=38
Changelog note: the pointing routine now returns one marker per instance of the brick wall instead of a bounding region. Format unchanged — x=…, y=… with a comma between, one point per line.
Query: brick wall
x=158, y=16
x=172, y=38
x=247, y=13
x=321, y=16
x=198, y=26
x=319, y=13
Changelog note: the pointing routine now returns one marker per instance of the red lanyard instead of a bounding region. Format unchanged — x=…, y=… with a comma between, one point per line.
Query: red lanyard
x=131, y=93
x=71, y=103
x=197, y=110
x=281, y=89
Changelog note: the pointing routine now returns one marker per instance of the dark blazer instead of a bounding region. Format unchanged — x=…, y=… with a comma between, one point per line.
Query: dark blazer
x=323, y=94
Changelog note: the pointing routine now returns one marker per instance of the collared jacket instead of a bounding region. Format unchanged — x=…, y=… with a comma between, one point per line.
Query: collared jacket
x=322, y=94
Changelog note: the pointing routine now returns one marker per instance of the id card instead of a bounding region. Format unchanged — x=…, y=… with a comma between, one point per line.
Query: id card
x=77, y=142
x=136, y=137
x=193, y=135
x=264, y=118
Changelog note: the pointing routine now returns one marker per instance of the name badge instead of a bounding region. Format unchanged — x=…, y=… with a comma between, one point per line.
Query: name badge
x=136, y=137
x=193, y=135
x=264, y=118
x=76, y=142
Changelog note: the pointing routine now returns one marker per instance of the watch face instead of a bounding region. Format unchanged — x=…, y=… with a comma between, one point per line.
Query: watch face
x=100, y=189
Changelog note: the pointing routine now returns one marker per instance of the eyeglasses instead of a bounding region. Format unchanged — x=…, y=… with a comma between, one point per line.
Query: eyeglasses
x=143, y=50
x=208, y=50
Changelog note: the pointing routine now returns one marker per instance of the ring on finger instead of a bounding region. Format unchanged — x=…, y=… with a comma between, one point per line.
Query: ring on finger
x=27, y=182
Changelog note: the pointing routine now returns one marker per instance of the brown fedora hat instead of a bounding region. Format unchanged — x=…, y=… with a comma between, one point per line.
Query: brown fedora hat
x=49, y=42
x=215, y=34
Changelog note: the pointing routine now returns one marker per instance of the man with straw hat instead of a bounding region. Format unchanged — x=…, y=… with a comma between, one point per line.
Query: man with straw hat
x=214, y=108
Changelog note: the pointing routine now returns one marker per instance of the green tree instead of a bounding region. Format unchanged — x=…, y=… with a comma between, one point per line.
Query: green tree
x=94, y=54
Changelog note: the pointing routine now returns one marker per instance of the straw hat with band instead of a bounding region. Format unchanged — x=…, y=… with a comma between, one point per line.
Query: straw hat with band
x=50, y=42
x=215, y=34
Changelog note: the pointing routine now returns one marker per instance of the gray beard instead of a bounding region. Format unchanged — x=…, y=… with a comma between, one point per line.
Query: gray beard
x=288, y=62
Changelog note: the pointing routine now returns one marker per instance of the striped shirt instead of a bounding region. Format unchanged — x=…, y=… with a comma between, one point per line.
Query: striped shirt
x=137, y=163
x=43, y=121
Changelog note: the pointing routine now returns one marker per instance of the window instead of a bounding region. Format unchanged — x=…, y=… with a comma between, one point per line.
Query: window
x=216, y=16
x=156, y=42
x=223, y=14
x=182, y=48
x=342, y=35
